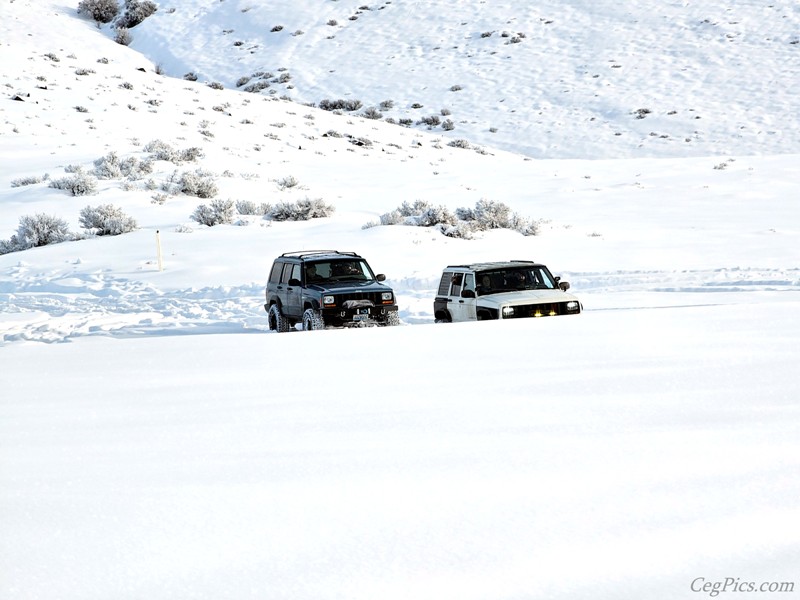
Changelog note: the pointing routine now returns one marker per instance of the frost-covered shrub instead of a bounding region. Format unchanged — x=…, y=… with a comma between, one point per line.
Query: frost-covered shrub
x=123, y=36
x=219, y=212
x=392, y=218
x=79, y=184
x=102, y=11
x=190, y=154
x=248, y=207
x=287, y=182
x=448, y=125
x=30, y=180
x=112, y=167
x=302, y=210
x=163, y=151
x=464, y=223
x=38, y=230
x=419, y=206
x=106, y=219
x=198, y=183
x=434, y=215
x=489, y=214
x=136, y=11
x=190, y=76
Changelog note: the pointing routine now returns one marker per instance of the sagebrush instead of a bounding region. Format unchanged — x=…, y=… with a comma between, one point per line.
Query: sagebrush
x=106, y=219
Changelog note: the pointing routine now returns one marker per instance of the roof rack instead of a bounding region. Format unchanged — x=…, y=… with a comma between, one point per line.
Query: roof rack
x=304, y=253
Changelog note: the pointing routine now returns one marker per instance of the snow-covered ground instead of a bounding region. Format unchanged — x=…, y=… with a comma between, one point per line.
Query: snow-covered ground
x=644, y=449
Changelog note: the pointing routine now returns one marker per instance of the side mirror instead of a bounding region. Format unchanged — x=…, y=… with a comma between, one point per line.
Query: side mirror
x=468, y=294
x=294, y=282
x=564, y=285
x=380, y=277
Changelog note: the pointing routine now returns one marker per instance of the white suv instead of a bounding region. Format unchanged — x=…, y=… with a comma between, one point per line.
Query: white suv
x=501, y=290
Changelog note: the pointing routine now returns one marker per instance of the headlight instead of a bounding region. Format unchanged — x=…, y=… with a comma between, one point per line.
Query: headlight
x=508, y=311
x=572, y=305
x=327, y=300
x=386, y=297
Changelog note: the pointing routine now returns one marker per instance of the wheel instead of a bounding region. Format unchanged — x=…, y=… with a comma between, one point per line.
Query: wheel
x=312, y=320
x=393, y=318
x=443, y=318
x=277, y=322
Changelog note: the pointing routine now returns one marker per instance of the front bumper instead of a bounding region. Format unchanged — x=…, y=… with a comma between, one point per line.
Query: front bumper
x=359, y=316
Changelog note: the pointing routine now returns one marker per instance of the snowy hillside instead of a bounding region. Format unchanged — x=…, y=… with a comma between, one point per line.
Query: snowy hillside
x=157, y=441
x=632, y=79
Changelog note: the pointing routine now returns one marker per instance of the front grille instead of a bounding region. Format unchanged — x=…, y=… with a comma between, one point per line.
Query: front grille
x=374, y=297
x=548, y=309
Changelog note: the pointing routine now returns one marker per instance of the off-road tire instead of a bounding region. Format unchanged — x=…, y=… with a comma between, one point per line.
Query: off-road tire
x=443, y=319
x=277, y=321
x=312, y=320
x=392, y=318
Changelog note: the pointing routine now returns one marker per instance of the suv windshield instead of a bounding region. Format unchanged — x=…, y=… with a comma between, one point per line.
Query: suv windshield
x=338, y=270
x=506, y=280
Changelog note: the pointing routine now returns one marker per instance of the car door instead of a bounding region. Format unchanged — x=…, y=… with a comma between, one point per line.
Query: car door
x=293, y=294
x=462, y=297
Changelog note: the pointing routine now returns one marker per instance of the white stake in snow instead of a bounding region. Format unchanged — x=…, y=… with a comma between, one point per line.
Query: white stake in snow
x=158, y=251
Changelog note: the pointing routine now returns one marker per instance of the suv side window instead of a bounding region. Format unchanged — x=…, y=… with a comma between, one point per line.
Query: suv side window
x=458, y=279
x=287, y=272
x=444, y=284
x=275, y=274
x=469, y=282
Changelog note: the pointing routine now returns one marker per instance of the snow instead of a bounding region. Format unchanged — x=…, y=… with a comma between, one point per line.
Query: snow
x=157, y=441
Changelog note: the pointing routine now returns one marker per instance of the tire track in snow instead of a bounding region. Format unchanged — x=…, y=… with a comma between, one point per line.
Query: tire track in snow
x=58, y=308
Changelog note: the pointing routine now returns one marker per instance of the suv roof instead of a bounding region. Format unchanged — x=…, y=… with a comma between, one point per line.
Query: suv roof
x=303, y=254
x=495, y=265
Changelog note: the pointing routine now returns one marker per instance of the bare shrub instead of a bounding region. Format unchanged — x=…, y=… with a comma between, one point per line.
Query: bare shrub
x=102, y=11
x=372, y=113
x=136, y=11
x=460, y=143
x=345, y=105
x=106, y=219
x=431, y=121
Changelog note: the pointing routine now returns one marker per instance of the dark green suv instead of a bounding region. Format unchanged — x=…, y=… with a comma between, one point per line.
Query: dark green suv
x=327, y=288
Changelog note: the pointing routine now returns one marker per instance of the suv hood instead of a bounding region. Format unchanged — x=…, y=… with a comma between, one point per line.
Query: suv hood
x=519, y=298
x=343, y=287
